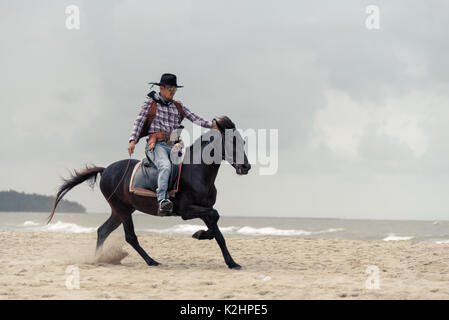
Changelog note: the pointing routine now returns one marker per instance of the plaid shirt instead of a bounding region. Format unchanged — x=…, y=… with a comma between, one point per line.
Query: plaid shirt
x=167, y=119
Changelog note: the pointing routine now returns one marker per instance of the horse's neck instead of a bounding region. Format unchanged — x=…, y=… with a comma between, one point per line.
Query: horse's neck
x=206, y=172
x=211, y=171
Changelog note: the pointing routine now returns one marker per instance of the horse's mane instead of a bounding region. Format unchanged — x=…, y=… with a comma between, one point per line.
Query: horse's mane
x=225, y=123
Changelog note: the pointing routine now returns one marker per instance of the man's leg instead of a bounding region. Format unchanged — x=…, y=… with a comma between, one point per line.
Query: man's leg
x=163, y=164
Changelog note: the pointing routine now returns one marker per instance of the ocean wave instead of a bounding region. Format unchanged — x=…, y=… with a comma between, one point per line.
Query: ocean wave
x=269, y=231
x=58, y=226
x=393, y=237
x=29, y=224
x=442, y=241
x=185, y=229
x=246, y=230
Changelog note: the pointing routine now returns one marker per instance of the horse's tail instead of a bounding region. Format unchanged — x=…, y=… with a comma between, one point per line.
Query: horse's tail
x=89, y=174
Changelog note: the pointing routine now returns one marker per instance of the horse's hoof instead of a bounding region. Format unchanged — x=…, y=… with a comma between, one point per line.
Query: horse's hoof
x=153, y=263
x=235, y=267
x=197, y=235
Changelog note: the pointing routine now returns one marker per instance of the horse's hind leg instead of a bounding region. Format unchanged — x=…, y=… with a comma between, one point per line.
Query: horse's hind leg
x=131, y=238
x=106, y=229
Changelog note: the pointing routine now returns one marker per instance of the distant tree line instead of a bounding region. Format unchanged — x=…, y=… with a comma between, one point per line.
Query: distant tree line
x=19, y=201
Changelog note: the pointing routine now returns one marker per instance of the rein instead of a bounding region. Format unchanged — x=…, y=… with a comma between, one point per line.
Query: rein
x=126, y=170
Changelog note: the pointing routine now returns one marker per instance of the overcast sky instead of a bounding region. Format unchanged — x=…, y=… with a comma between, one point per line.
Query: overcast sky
x=363, y=115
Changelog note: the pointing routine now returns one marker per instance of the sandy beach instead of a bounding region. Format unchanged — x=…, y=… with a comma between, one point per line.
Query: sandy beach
x=37, y=266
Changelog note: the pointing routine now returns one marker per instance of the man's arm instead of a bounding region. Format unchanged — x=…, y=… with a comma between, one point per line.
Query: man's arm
x=138, y=125
x=139, y=122
x=196, y=118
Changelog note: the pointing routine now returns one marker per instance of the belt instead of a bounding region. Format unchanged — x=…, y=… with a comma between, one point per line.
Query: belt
x=158, y=136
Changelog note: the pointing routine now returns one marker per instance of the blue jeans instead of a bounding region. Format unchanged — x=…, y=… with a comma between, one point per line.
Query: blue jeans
x=160, y=155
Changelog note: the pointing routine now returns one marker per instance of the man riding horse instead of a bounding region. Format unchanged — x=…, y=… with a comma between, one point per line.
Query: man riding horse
x=197, y=194
x=159, y=117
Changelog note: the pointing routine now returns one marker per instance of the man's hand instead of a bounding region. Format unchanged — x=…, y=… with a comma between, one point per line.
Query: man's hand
x=214, y=125
x=131, y=147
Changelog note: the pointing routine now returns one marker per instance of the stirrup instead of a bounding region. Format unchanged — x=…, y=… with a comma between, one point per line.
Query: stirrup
x=165, y=207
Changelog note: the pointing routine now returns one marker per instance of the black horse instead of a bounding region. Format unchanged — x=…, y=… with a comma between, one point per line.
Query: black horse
x=195, y=197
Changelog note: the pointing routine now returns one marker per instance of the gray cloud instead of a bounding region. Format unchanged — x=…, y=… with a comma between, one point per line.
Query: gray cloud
x=70, y=97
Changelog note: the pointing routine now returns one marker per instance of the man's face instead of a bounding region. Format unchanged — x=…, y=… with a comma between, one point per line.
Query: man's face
x=168, y=92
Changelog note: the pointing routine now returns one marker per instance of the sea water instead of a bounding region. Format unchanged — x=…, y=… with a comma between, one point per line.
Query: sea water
x=387, y=230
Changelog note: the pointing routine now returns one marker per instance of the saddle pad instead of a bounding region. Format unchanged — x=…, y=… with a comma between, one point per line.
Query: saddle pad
x=144, y=179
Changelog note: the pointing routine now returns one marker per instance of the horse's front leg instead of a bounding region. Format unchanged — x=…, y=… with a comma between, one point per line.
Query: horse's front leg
x=210, y=217
x=203, y=213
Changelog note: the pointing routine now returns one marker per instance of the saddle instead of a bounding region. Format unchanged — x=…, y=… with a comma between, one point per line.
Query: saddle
x=144, y=179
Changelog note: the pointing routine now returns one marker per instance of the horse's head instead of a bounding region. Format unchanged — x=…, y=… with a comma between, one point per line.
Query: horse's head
x=233, y=146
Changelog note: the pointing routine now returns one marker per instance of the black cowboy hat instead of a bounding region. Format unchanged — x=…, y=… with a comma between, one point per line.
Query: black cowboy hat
x=167, y=79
